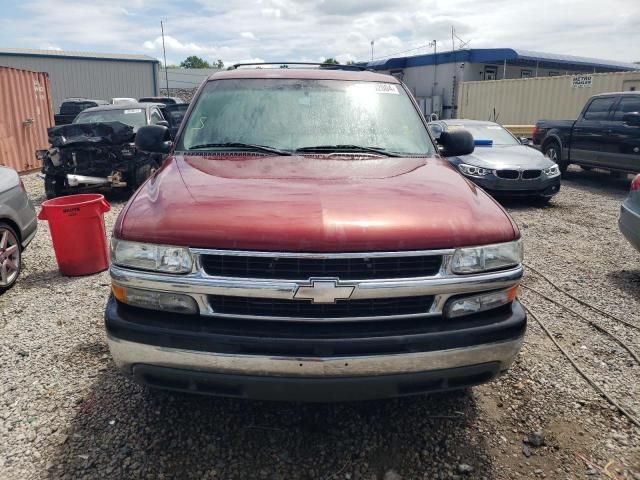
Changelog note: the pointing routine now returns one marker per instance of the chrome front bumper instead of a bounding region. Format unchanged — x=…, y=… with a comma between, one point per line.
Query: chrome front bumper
x=128, y=354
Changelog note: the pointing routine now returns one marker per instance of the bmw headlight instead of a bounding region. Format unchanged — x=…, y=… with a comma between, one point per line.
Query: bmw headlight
x=149, y=256
x=473, y=171
x=552, y=171
x=486, y=258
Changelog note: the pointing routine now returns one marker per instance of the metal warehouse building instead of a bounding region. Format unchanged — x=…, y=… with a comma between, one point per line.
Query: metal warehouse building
x=435, y=78
x=87, y=74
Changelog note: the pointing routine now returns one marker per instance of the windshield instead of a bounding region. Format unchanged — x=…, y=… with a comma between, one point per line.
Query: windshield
x=289, y=114
x=133, y=116
x=499, y=135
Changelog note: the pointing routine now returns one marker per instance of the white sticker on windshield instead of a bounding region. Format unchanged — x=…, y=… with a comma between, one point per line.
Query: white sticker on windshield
x=387, y=88
x=134, y=110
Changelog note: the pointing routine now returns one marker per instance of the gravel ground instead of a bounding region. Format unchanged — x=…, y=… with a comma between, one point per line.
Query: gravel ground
x=65, y=412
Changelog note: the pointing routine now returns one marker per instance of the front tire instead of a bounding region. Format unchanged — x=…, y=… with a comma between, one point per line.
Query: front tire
x=143, y=172
x=52, y=187
x=10, y=257
x=542, y=201
x=553, y=151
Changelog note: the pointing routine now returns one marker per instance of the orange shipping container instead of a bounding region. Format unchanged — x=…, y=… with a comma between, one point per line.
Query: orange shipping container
x=25, y=115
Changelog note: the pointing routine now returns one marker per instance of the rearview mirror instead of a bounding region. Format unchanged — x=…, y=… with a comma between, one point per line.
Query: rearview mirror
x=154, y=139
x=524, y=140
x=456, y=143
x=632, y=119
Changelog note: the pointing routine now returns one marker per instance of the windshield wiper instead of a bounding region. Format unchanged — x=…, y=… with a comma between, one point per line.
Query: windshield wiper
x=348, y=148
x=246, y=146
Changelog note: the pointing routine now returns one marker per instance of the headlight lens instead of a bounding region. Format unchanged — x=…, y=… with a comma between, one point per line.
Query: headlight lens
x=163, y=301
x=473, y=171
x=147, y=256
x=488, y=257
x=480, y=303
x=553, y=171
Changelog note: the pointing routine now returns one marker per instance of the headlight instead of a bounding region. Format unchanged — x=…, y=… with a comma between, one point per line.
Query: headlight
x=482, y=302
x=473, y=171
x=147, y=256
x=163, y=301
x=553, y=171
x=488, y=257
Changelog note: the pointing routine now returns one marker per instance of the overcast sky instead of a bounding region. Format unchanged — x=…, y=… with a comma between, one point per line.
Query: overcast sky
x=311, y=30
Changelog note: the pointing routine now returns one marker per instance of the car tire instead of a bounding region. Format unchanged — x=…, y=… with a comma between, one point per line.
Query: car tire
x=10, y=257
x=52, y=187
x=143, y=172
x=553, y=151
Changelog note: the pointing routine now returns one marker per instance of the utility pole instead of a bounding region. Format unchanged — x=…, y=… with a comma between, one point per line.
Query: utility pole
x=372, y=42
x=164, y=52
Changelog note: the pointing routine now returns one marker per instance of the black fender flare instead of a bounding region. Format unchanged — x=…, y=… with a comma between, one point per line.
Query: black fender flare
x=551, y=137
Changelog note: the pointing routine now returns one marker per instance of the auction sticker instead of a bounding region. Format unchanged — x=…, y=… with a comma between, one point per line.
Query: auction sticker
x=387, y=88
x=133, y=110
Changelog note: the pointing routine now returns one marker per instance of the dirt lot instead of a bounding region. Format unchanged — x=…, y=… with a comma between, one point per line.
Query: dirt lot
x=65, y=412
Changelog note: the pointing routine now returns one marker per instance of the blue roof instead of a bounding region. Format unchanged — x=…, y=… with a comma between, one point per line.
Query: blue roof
x=499, y=55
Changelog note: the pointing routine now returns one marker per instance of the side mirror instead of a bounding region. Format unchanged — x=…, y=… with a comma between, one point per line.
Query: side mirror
x=632, y=119
x=163, y=123
x=524, y=140
x=456, y=143
x=154, y=139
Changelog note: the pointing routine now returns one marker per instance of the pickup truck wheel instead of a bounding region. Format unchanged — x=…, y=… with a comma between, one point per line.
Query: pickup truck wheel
x=10, y=257
x=52, y=188
x=554, y=152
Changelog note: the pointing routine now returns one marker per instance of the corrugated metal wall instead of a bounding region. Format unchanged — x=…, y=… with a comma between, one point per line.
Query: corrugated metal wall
x=524, y=101
x=100, y=78
x=184, y=78
x=25, y=116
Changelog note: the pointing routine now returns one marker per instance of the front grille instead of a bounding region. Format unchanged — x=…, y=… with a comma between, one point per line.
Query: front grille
x=508, y=174
x=531, y=174
x=268, y=307
x=292, y=268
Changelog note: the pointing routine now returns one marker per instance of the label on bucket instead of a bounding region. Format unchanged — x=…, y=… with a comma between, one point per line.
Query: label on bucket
x=71, y=211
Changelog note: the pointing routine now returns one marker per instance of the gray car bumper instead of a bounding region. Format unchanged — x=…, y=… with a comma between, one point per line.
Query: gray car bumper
x=541, y=187
x=629, y=223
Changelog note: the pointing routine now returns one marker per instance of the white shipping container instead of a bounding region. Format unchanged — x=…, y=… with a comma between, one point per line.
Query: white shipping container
x=524, y=101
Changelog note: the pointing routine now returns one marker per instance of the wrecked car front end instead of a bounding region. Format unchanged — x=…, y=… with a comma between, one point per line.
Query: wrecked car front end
x=94, y=156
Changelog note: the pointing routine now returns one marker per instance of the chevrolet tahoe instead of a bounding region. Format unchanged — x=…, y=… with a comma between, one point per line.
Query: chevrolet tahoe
x=305, y=240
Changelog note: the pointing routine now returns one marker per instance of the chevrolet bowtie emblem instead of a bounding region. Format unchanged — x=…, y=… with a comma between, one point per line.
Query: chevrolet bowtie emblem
x=323, y=291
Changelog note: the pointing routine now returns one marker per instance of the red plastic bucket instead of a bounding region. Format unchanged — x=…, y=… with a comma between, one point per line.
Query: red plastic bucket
x=77, y=230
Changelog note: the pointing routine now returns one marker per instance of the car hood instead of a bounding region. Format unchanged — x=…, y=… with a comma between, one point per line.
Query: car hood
x=312, y=204
x=100, y=133
x=506, y=156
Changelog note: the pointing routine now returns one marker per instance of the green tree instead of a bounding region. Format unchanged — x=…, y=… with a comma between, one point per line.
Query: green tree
x=194, y=62
x=219, y=64
x=331, y=61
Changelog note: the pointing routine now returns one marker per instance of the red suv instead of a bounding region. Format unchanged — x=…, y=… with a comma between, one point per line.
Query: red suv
x=304, y=240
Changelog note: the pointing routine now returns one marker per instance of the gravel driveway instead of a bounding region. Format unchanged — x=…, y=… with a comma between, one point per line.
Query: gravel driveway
x=65, y=412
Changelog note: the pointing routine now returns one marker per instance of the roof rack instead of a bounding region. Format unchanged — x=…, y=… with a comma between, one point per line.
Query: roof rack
x=329, y=66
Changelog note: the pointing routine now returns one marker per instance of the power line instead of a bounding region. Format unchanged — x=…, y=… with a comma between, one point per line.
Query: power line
x=426, y=45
